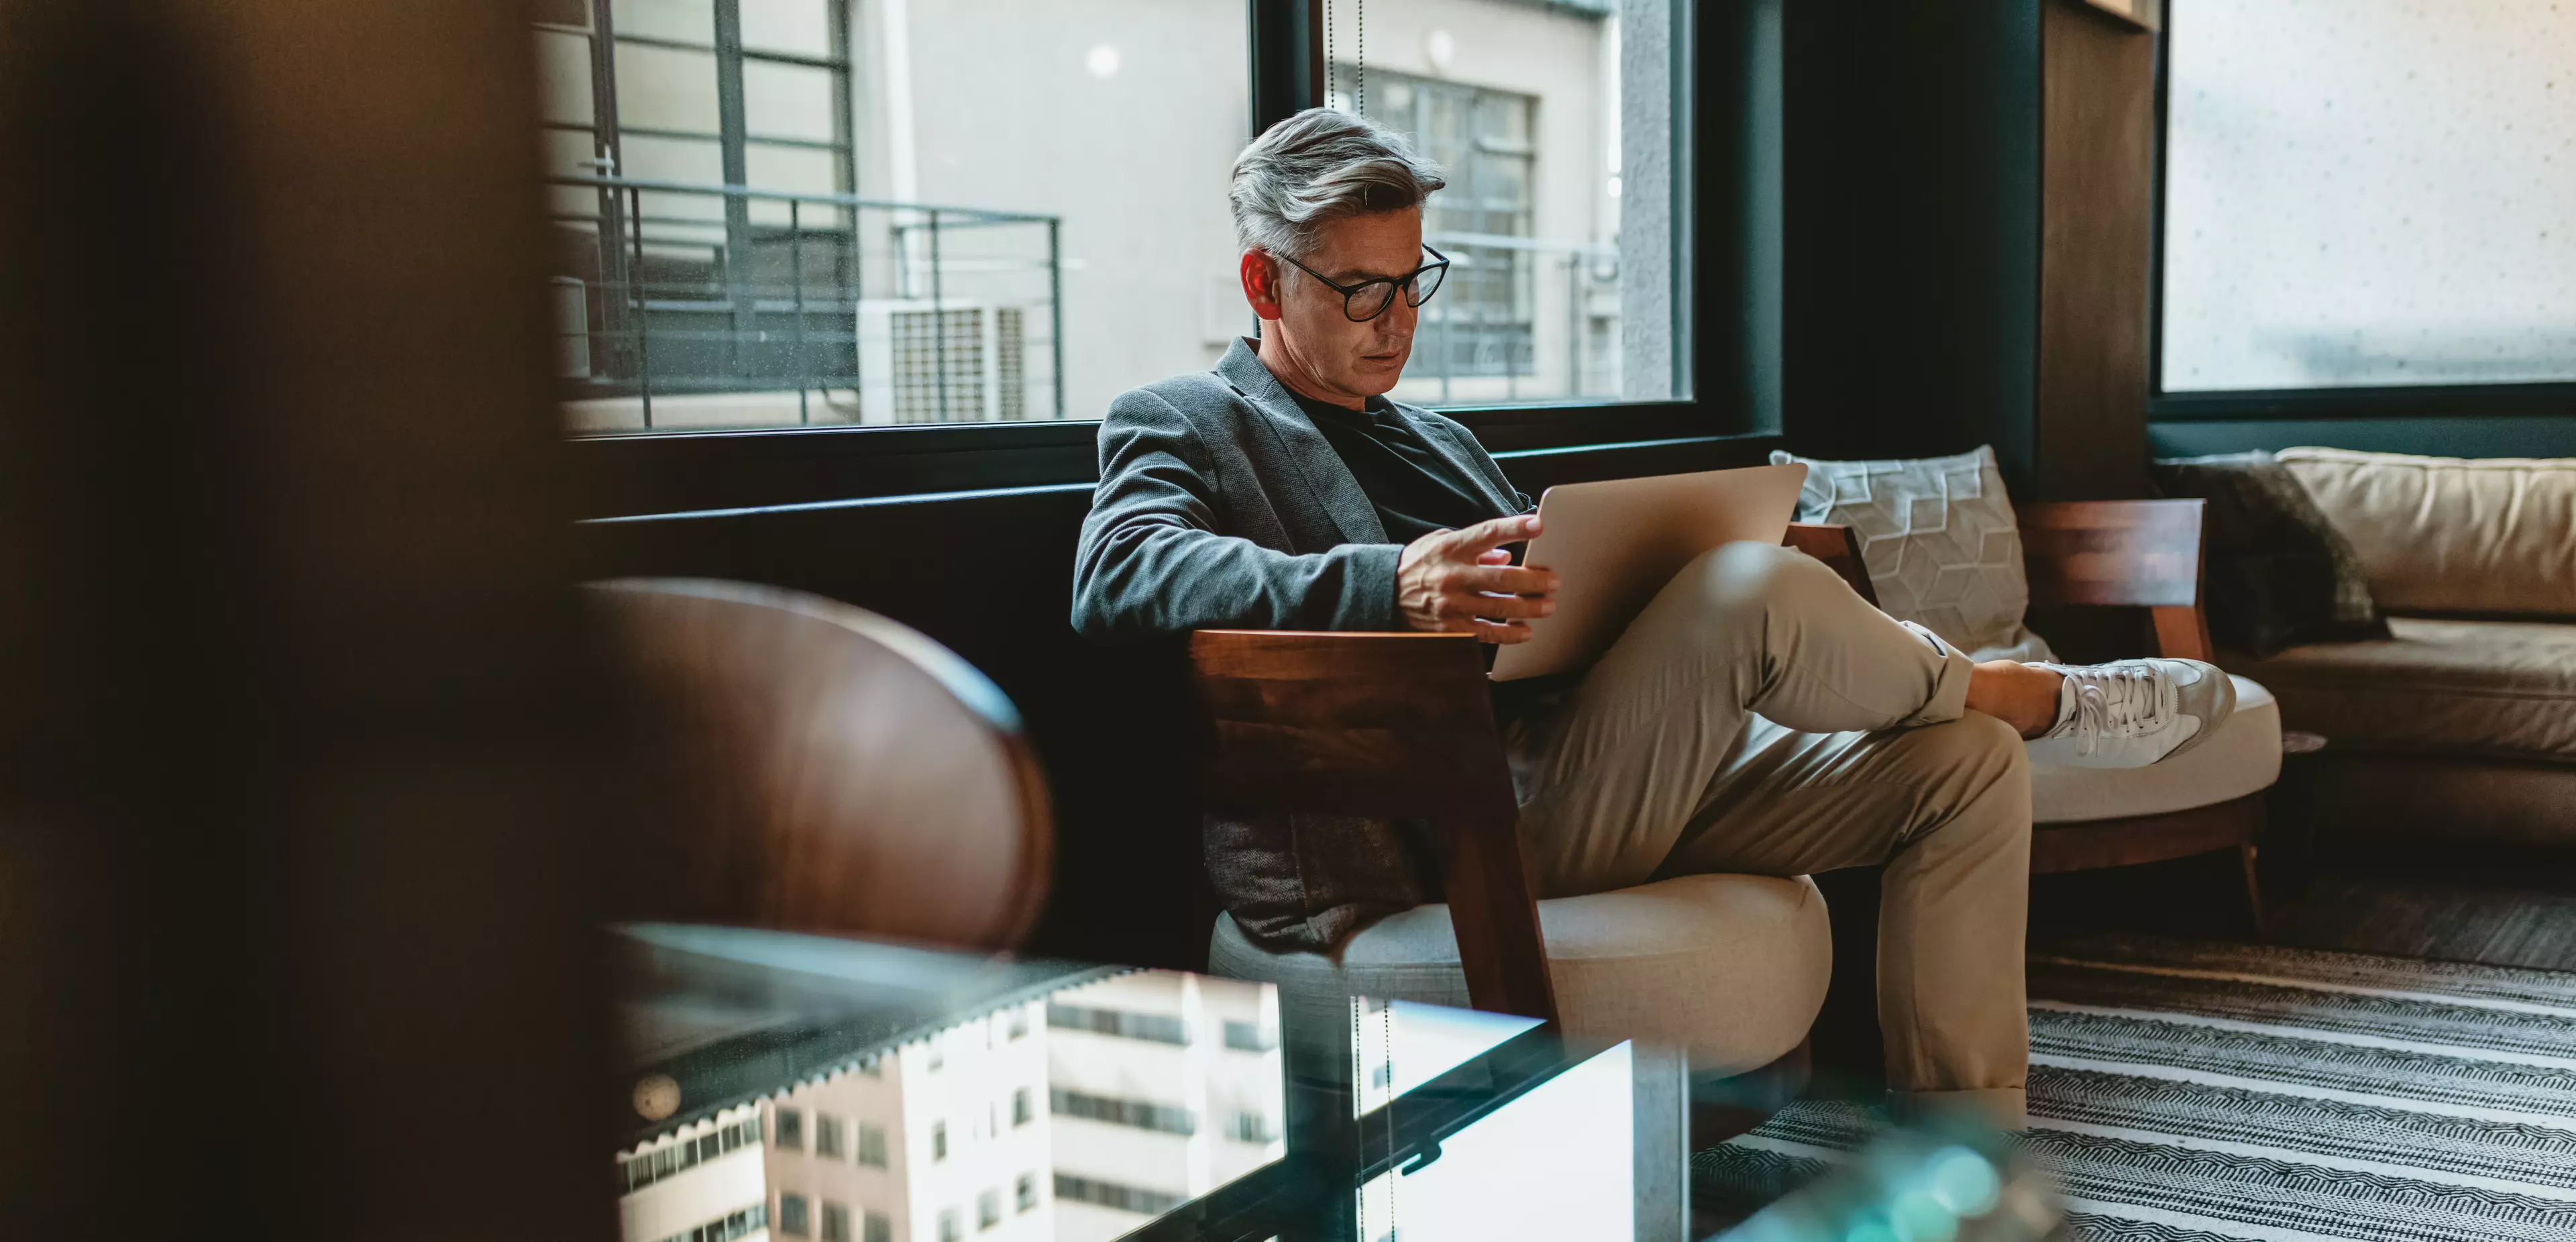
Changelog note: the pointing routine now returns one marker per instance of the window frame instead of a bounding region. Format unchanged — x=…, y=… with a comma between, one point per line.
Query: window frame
x=1718, y=306
x=2414, y=401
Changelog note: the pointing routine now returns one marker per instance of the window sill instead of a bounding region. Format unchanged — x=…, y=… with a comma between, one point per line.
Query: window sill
x=681, y=471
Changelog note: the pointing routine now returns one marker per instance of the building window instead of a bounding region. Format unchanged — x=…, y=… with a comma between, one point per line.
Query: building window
x=645, y=1168
x=1026, y=1192
x=988, y=1209
x=836, y=1222
x=876, y=1227
x=1250, y=1128
x=948, y=1230
x=1021, y=1112
x=1250, y=1037
x=2370, y=194
x=827, y=1135
x=792, y=1214
x=1558, y=217
x=1482, y=324
x=791, y=1129
x=1160, y=1028
x=938, y=1140
x=1114, y=1195
x=1019, y=1021
x=872, y=1145
x=748, y=1221
x=1117, y=1112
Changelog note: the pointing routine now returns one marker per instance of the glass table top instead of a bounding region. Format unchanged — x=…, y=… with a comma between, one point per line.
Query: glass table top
x=826, y=1090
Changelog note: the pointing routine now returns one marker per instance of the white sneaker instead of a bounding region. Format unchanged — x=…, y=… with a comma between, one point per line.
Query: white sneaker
x=2130, y=713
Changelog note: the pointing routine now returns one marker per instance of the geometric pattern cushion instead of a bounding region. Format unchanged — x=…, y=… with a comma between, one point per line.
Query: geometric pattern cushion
x=1938, y=538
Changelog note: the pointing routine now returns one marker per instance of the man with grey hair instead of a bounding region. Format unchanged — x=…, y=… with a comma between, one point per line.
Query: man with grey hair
x=1758, y=716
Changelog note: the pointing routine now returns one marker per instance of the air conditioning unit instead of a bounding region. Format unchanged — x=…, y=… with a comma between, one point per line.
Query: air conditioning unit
x=958, y=362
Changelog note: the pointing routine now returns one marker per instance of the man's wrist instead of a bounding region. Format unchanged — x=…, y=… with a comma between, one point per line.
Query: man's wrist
x=1375, y=577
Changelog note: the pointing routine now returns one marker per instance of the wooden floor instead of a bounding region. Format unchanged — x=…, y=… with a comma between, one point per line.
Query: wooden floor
x=2503, y=910
x=2451, y=905
x=2501, y=921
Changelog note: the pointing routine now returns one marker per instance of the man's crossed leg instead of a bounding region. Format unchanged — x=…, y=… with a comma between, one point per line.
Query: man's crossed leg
x=1759, y=717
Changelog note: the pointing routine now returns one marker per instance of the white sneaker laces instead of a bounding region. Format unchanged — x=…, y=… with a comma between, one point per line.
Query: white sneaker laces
x=2118, y=701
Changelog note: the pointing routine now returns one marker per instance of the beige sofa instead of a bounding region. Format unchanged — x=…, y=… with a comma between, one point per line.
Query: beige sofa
x=2461, y=725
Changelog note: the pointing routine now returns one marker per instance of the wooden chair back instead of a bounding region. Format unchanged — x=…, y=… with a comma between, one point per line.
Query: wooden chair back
x=837, y=772
x=1395, y=726
x=2122, y=553
x=2106, y=553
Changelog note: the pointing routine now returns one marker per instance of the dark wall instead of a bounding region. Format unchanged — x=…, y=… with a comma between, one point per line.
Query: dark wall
x=1912, y=260
x=990, y=575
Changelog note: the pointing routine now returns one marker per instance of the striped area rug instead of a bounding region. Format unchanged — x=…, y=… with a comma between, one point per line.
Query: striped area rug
x=2194, y=1092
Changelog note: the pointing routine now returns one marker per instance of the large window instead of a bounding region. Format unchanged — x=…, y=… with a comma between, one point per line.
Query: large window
x=2369, y=192
x=777, y=213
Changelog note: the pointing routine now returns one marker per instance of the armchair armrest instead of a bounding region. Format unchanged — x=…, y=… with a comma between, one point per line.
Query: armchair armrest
x=1391, y=726
x=2133, y=553
x=1838, y=548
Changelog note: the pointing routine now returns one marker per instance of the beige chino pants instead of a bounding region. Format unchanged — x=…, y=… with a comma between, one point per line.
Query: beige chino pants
x=1760, y=718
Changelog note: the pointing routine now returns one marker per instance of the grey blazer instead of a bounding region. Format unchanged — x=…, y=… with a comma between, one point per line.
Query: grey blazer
x=1220, y=506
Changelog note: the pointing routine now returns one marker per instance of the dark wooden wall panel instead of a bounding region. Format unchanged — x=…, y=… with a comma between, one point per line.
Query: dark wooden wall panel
x=2097, y=213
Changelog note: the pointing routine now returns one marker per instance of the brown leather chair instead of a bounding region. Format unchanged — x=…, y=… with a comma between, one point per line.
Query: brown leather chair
x=828, y=770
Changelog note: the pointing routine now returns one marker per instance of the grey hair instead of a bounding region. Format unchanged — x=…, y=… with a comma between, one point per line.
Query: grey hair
x=1319, y=166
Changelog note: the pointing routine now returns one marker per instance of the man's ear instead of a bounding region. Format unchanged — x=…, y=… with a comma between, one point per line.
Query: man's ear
x=1261, y=283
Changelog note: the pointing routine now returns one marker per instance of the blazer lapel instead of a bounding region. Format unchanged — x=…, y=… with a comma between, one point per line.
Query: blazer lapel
x=1334, y=489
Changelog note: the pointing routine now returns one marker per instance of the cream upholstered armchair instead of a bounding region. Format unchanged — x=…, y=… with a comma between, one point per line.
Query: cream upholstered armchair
x=1732, y=968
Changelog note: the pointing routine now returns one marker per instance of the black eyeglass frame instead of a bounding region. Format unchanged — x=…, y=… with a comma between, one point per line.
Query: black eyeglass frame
x=1408, y=283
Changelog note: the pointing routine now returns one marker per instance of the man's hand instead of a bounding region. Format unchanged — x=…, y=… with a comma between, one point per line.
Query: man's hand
x=1463, y=582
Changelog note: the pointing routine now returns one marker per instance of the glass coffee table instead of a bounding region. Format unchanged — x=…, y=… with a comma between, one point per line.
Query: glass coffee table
x=795, y=1087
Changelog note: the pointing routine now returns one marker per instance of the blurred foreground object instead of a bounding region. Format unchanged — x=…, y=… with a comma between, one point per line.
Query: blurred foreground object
x=838, y=772
x=301, y=765
x=1932, y=1184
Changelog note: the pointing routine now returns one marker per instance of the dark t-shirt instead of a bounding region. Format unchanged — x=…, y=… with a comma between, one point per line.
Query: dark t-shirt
x=1415, y=489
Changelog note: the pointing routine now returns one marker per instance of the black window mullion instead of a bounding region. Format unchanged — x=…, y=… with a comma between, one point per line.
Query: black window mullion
x=1287, y=38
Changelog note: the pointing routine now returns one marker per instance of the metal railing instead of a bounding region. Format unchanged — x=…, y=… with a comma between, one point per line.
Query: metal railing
x=1486, y=325
x=738, y=298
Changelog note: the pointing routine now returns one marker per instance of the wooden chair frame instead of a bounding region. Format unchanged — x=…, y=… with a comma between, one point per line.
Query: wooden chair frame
x=2146, y=554
x=1401, y=726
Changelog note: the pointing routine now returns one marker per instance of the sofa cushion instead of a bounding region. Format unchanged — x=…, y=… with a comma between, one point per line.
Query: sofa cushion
x=1731, y=967
x=2452, y=535
x=1939, y=539
x=2498, y=689
x=2243, y=757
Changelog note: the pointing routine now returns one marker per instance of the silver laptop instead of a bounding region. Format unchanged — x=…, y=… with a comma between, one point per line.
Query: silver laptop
x=1614, y=544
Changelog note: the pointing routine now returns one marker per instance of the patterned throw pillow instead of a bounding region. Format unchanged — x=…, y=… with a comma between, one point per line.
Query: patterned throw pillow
x=2279, y=574
x=1940, y=542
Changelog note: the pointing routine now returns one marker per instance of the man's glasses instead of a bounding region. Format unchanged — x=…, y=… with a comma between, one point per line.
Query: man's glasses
x=1369, y=298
